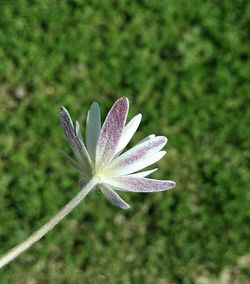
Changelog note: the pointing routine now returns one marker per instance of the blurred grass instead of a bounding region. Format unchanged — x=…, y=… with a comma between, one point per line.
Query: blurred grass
x=185, y=66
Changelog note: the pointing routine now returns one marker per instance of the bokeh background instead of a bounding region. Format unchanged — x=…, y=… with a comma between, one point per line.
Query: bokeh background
x=185, y=66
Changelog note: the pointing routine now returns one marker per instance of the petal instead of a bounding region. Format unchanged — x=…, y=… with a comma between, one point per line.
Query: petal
x=149, y=137
x=145, y=163
x=111, y=131
x=139, y=165
x=72, y=162
x=78, y=131
x=93, y=127
x=113, y=197
x=138, y=153
x=145, y=173
x=128, y=132
x=137, y=184
x=76, y=144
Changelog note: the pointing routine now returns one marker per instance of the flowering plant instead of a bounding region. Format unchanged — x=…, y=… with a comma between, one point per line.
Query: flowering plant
x=102, y=160
x=102, y=163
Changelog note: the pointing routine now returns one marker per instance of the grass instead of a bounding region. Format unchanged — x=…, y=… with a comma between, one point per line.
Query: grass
x=185, y=66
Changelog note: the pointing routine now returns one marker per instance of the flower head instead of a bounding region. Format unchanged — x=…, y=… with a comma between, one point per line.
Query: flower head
x=103, y=158
x=102, y=162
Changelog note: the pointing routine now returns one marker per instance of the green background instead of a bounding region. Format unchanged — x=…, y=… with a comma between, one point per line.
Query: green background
x=185, y=66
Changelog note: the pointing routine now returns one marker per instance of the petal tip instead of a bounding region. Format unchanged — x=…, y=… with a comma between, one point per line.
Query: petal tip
x=124, y=100
x=64, y=112
x=172, y=184
x=163, y=153
x=94, y=105
x=164, y=139
x=139, y=116
x=62, y=109
x=126, y=207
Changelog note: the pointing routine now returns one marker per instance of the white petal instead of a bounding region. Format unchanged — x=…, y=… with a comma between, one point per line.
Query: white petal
x=72, y=162
x=93, y=127
x=111, y=131
x=137, y=184
x=113, y=197
x=128, y=132
x=137, y=154
x=145, y=173
x=78, y=131
x=139, y=165
x=149, y=137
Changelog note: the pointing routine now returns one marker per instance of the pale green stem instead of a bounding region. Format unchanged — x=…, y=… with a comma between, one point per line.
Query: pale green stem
x=36, y=236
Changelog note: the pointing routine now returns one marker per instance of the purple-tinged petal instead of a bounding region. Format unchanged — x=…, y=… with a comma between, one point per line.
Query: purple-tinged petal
x=138, y=153
x=111, y=131
x=113, y=197
x=76, y=144
x=137, y=184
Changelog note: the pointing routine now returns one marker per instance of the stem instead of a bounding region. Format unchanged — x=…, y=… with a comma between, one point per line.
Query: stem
x=36, y=236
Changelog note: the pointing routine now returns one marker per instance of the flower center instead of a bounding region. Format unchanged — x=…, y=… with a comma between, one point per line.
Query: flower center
x=101, y=173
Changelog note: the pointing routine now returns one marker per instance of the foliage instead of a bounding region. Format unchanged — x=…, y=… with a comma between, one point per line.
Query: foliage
x=185, y=66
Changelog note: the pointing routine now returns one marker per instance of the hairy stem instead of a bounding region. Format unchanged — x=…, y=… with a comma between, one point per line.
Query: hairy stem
x=36, y=236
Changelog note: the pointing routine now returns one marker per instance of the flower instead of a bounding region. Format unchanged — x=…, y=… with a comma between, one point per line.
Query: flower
x=103, y=158
x=102, y=163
